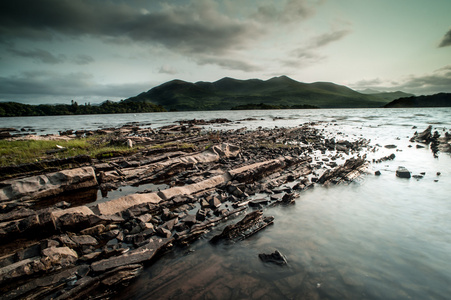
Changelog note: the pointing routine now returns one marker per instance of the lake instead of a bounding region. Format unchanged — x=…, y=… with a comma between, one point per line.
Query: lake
x=381, y=237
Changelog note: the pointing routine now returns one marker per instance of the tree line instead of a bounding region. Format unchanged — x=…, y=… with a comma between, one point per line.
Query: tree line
x=14, y=109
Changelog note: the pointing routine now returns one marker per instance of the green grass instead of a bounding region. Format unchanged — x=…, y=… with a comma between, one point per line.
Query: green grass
x=20, y=152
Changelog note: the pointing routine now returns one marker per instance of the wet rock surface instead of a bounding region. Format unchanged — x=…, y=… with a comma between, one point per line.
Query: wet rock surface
x=276, y=258
x=75, y=250
x=434, y=140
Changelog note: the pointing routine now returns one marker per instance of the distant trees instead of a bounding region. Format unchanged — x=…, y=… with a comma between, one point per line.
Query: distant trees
x=14, y=109
x=269, y=106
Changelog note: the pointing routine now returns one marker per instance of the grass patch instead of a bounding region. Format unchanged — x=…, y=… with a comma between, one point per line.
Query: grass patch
x=20, y=152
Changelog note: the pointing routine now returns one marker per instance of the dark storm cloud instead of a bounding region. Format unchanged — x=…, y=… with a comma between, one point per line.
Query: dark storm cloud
x=328, y=38
x=228, y=63
x=45, y=82
x=39, y=55
x=446, y=41
x=192, y=28
x=83, y=59
x=309, y=54
x=41, y=84
x=293, y=11
x=436, y=82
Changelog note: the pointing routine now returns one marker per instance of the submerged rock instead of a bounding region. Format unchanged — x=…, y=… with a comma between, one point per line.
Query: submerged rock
x=252, y=223
x=275, y=258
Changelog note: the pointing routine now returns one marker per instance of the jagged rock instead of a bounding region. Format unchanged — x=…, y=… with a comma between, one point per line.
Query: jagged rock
x=385, y=158
x=276, y=258
x=51, y=184
x=288, y=198
x=350, y=170
x=121, y=204
x=95, y=230
x=214, y=203
x=190, y=220
x=249, y=225
x=402, y=172
x=57, y=257
x=163, y=232
x=141, y=254
x=257, y=202
x=423, y=137
x=34, y=287
x=83, y=240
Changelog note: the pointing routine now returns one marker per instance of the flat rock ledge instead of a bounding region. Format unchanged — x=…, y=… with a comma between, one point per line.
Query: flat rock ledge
x=62, y=252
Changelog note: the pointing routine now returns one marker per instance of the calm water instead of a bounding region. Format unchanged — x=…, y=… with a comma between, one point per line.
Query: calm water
x=379, y=238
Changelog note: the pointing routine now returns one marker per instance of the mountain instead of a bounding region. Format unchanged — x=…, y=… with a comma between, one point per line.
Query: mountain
x=227, y=93
x=390, y=96
x=369, y=91
x=437, y=100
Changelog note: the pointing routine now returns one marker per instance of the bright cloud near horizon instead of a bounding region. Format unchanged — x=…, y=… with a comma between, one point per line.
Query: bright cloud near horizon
x=53, y=51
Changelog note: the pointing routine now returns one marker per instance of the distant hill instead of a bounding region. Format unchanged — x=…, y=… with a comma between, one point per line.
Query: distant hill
x=437, y=100
x=228, y=93
x=390, y=96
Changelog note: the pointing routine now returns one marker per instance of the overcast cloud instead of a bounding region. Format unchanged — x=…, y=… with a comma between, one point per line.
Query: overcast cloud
x=109, y=48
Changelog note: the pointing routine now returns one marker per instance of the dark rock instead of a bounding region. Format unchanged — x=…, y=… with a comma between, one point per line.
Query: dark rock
x=276, y=258
x=277, y=197
x=95, y=230
x=215, y=203
x=30, y=251
x=423, y=137
x=347, y=172
x=163, y=232
x=169, y=225
x=82, y=240
x=189, y=220
x=391, y=146
x=73, y=222
x=377, y=173
x=141, y=254
x=402, y=172
x=257, y=202
x=109, y=234
x=289, y=198
x=249, y=225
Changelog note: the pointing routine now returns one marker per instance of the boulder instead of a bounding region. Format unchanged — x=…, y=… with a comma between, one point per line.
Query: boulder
x=402, y=172
x=59, y=256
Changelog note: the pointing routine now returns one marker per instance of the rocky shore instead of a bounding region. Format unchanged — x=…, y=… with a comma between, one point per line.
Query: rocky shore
x=60, y=243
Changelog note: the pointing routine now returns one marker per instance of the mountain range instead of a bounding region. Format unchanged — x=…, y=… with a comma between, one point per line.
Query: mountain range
x=228, y=93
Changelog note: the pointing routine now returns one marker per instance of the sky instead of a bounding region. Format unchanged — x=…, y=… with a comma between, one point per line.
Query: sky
x=55, y=51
